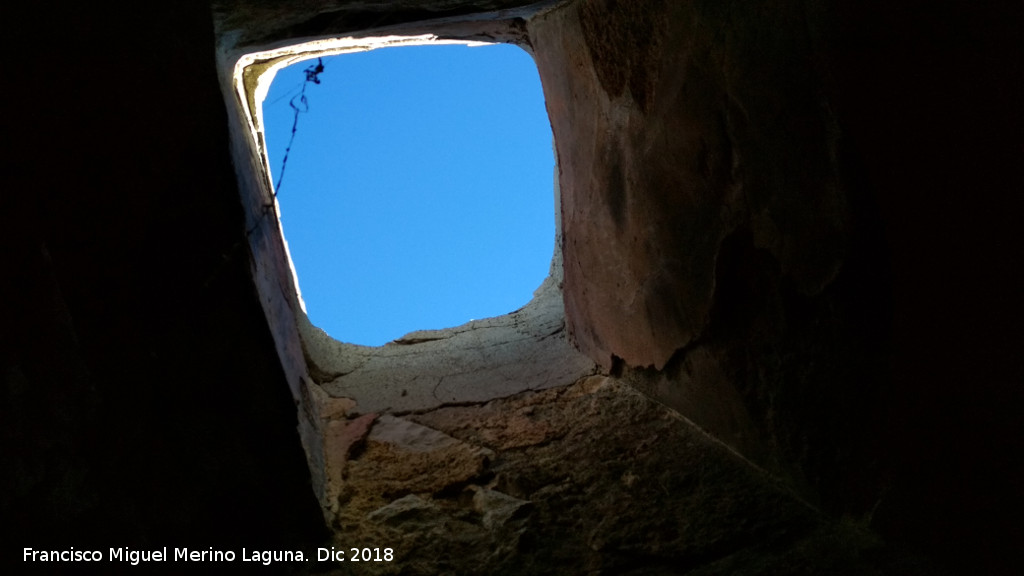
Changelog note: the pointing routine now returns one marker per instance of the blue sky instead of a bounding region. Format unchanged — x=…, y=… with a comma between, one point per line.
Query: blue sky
x=418, y=193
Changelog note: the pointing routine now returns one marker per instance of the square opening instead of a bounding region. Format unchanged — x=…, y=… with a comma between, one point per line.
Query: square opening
x=333, y=382
x=417, y=189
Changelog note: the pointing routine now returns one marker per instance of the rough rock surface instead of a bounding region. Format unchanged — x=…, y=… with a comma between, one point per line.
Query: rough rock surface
x=264, y=23
x=149, y=371
x=723, y=254
x=149, y=341
x=476, y=362
x=591, y=478
x=661, y=112
x=714, y=243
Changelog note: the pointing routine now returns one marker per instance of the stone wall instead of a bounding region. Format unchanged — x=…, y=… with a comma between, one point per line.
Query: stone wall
x=724, y=251
x=143, y=403
x=791, y=280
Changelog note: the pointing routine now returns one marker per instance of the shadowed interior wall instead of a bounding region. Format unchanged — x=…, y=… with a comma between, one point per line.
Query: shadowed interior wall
x=142, y=401
x=850, y=300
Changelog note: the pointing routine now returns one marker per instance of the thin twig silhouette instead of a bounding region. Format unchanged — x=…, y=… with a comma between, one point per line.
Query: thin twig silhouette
x=301, y=105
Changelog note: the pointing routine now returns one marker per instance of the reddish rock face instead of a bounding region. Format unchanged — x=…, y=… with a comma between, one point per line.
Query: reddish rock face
x=676, y=126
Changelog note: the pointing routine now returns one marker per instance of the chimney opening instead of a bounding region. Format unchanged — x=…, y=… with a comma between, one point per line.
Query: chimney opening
x=417, y=192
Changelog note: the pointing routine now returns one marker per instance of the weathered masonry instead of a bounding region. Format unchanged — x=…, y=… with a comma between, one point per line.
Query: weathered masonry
x=780, y=335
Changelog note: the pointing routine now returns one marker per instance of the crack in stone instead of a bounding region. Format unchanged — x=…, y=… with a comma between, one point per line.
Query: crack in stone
x=437, y=385
x=410, y=341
